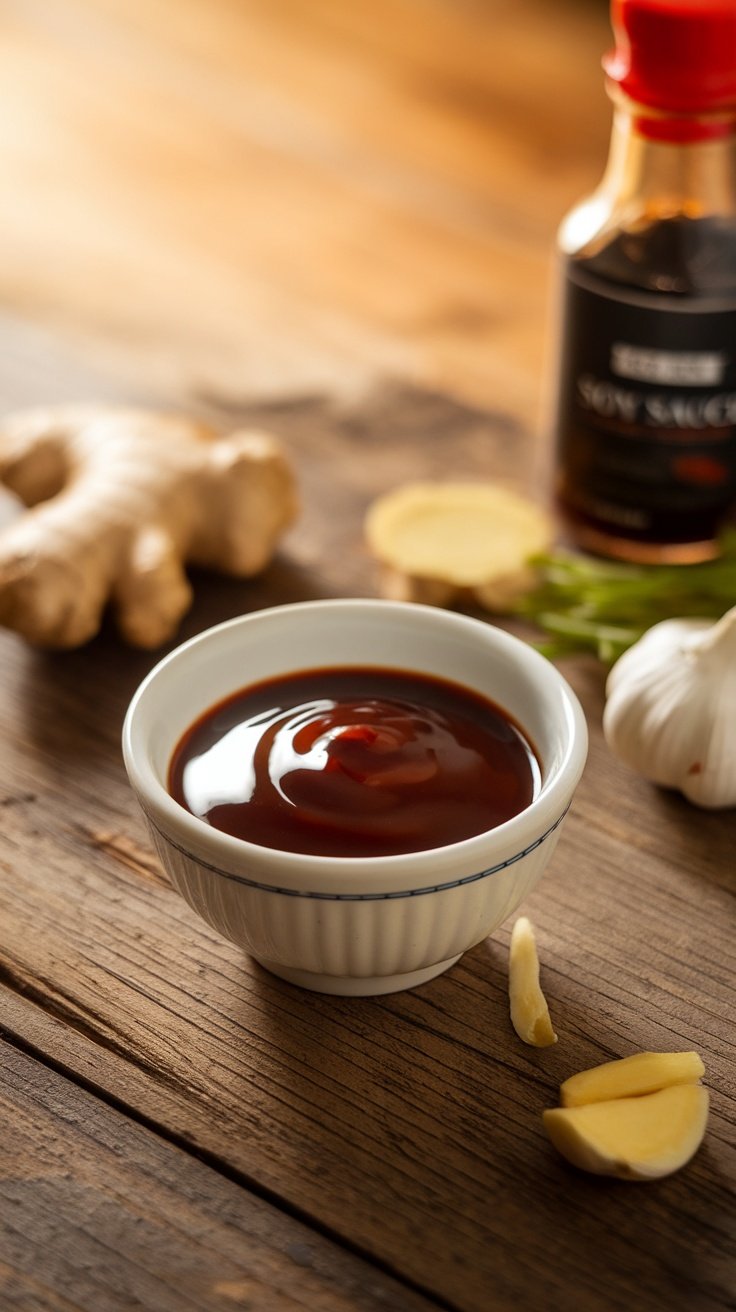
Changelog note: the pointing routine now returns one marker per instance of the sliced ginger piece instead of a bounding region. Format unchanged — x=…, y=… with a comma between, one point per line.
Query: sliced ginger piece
x=645, y=1072
x=529, y=1011
x=640, y=1138
x=437, y=541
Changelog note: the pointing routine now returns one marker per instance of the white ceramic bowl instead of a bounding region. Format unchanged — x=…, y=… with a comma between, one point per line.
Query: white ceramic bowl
x=364, y=925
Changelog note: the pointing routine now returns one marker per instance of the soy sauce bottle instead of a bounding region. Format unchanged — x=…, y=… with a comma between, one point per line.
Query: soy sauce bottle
x=646, y=385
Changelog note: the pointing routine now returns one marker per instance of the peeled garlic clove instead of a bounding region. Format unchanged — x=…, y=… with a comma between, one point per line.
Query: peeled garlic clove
x=632, y=1138
x=529, y=1011
x=645, y=1072
x=671, y=708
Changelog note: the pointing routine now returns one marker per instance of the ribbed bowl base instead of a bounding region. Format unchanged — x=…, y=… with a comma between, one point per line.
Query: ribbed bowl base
x=349, y=986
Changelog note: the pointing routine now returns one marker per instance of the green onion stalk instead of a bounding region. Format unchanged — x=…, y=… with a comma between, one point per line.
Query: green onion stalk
x=590, y=605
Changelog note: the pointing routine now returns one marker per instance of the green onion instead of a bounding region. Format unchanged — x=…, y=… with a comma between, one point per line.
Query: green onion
x=593, y=605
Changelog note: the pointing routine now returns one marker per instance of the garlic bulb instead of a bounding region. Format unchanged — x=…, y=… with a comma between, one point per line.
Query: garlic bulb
x=671, y=708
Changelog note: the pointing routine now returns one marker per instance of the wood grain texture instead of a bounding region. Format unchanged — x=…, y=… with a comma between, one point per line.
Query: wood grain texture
x=334, y=221
x=409, y=1126
x=102, y=1216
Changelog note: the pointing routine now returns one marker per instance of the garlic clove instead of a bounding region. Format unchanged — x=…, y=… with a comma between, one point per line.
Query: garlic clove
x=528, y=1006
x=641, y=1138
x=644, y=1072
x=671, y=708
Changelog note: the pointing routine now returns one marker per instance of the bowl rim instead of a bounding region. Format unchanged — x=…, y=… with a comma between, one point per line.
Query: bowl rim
x=285, y=871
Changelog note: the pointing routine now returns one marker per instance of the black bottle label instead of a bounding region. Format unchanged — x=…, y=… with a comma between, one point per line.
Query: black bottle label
x=646, y=421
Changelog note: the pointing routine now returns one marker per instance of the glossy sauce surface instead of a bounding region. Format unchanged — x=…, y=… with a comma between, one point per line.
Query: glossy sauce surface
x=354, y=762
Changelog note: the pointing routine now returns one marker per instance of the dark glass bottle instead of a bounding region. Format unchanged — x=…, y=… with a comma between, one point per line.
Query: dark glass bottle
x=646, y=387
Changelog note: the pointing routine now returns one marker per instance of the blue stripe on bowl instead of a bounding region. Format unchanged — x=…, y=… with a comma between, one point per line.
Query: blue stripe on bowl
x=362, y=897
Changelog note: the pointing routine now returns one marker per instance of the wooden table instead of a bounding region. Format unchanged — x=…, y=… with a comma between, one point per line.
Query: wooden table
x=334, y=219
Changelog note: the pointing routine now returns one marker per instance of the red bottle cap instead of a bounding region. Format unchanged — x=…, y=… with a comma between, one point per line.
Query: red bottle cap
x=678, y=56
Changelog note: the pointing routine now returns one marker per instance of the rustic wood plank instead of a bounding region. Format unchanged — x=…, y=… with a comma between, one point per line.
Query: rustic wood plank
x=336, y=220
x=408, y=1125
x=422, y=1112
x=100, y=1215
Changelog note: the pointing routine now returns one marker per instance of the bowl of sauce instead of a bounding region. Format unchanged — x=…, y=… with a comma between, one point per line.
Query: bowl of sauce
x=355, y=791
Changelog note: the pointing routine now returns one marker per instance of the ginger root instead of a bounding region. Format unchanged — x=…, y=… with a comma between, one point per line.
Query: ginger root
x=443, y=542
x=120, y=499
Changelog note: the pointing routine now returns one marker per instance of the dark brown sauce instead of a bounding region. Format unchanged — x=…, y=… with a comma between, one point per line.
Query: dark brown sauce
x=647, y=468
x=678, y=256
x=354, y=762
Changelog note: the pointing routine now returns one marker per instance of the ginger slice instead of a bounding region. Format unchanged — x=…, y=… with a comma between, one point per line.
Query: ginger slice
x=119, y=500
x=640, y=1138
x=529, y=1011
x=644, y=1072
x=437, y=541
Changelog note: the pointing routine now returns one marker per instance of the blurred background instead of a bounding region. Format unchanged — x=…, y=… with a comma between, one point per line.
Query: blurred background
x=257, y=198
